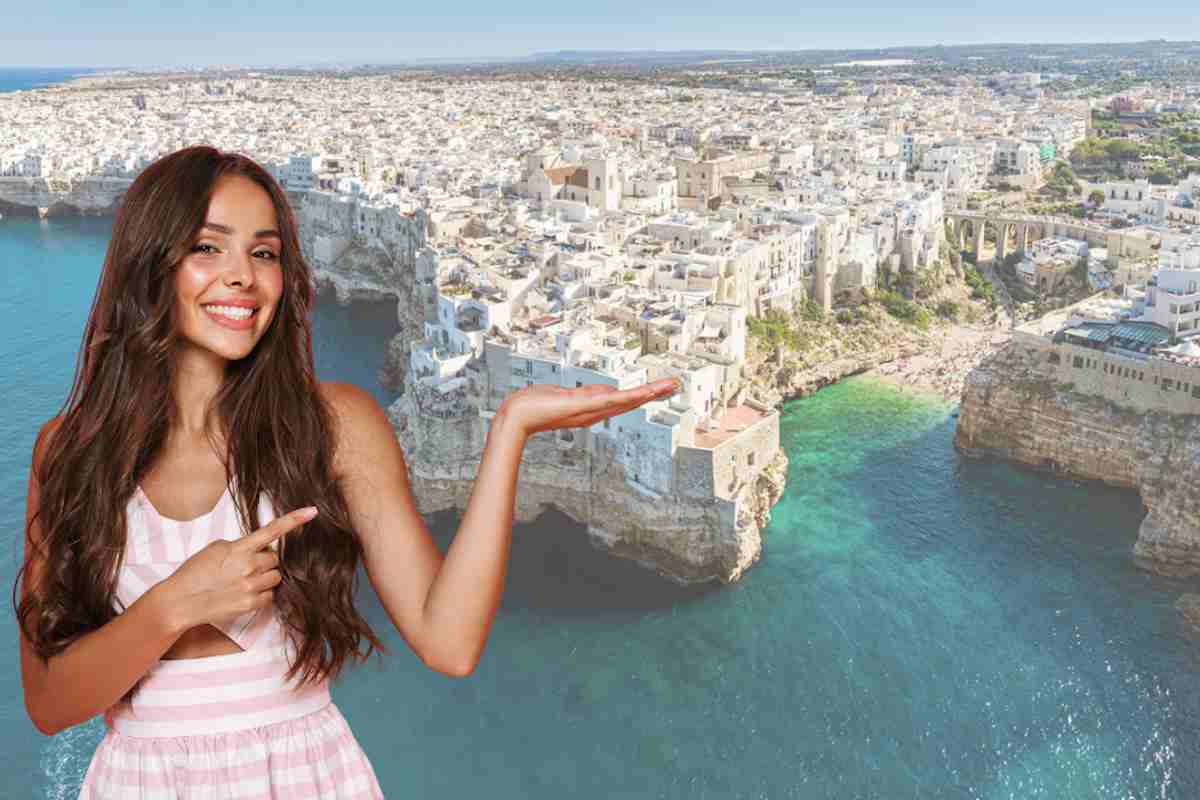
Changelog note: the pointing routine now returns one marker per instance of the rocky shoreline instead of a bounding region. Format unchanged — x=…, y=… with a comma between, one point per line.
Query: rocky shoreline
x=1014, y=408
x=61, y=197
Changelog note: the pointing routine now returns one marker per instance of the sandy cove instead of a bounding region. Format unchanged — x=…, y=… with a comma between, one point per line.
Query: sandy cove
x=942, y=369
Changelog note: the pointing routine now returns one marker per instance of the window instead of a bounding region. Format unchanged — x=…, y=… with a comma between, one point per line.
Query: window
x=578, y=384
x=750, y=459
x=1076, y=361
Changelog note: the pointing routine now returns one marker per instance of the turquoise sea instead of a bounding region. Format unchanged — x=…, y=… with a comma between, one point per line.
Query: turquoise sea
x=919, y=626
x=14, y=79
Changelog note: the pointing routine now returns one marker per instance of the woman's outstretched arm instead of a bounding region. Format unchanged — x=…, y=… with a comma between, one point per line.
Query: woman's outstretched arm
x=444, y=606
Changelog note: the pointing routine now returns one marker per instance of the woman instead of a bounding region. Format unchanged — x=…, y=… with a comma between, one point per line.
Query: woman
x=208, y=631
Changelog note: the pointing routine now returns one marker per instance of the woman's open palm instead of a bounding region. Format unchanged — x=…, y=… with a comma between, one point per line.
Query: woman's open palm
x=546, y=407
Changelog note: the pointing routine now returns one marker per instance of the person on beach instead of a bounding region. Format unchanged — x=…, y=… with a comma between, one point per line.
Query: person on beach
x=208, y=631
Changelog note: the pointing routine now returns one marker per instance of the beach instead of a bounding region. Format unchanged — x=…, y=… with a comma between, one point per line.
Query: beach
x=942, y=369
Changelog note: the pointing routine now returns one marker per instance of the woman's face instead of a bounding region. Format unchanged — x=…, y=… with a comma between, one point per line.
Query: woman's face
x=233, y=260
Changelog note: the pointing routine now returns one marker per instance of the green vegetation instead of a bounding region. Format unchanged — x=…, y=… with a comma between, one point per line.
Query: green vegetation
x=775, y=328
x=1062, y=181
x=1059, y=209
x=810, y=311
x=948, y=309
x=1096, y=198
x=1095, y=151
x=981, y=288
x=905, y=310
x=1169, y=141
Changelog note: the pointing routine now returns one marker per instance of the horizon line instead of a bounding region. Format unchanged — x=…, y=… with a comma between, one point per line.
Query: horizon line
x=532, y=54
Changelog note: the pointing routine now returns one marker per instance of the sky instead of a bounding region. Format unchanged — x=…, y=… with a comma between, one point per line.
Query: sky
x=179, y=33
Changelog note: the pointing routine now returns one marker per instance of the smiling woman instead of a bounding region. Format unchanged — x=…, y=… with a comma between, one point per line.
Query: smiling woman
x=204, y=640
x=221, y=250
x=207, y=631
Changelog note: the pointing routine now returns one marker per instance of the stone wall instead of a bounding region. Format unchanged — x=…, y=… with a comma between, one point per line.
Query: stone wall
x=1150, y=385
x=743, y=454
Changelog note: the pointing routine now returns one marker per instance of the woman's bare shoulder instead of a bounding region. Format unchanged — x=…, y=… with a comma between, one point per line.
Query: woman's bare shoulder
x=44, y=436
x=355, y=411
x=345, y=399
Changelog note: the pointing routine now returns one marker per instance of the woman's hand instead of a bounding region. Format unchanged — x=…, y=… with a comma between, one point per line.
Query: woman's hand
x=229, y=578
x=547, y=407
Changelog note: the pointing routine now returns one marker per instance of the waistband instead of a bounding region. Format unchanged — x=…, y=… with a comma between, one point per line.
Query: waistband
x=216, y=694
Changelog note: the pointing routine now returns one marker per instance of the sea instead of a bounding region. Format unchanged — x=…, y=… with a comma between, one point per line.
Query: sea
x=13, y=79
x=919, y=625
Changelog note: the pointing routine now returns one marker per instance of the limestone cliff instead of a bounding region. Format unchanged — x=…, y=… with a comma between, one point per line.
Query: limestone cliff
x=681, y=538
x=61, y=196
x=1016, y=407
x=360, y=274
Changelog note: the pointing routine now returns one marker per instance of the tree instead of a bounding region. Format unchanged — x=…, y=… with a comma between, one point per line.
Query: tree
x=1062, y=180
x=1096, y=198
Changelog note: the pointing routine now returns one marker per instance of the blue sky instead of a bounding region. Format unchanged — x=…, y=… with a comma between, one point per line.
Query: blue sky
x=279, y=32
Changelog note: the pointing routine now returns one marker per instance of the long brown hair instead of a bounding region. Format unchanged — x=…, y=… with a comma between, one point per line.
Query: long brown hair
x=120, y=410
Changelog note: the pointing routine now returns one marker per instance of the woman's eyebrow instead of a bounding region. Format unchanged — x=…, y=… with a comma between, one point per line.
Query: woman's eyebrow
x=265, y=232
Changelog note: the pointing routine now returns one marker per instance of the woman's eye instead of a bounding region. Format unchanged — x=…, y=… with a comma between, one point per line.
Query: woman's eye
x=200, y=248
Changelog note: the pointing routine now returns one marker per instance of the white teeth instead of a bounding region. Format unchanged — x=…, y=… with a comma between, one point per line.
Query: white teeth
x=233, y=312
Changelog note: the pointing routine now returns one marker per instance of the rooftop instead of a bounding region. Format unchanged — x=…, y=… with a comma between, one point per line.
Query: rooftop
x=731, y=422
x=1138, y=336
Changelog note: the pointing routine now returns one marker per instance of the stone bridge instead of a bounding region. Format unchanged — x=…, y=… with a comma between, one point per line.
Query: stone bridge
x=1014, y=232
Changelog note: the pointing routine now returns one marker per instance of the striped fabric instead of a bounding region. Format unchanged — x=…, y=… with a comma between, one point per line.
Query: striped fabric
x=225, y=726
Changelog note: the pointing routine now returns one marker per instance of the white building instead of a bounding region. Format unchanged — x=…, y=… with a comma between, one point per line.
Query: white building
x=1173, y=296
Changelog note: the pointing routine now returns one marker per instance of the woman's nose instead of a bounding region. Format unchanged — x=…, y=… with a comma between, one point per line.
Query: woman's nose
x=241, y=271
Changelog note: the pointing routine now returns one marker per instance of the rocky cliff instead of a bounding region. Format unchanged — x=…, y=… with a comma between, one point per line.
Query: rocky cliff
x=1015, y=406
x=684, y=540
x=61, y=196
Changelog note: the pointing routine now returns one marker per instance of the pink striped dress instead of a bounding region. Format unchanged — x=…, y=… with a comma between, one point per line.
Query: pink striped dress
x=226, y=726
